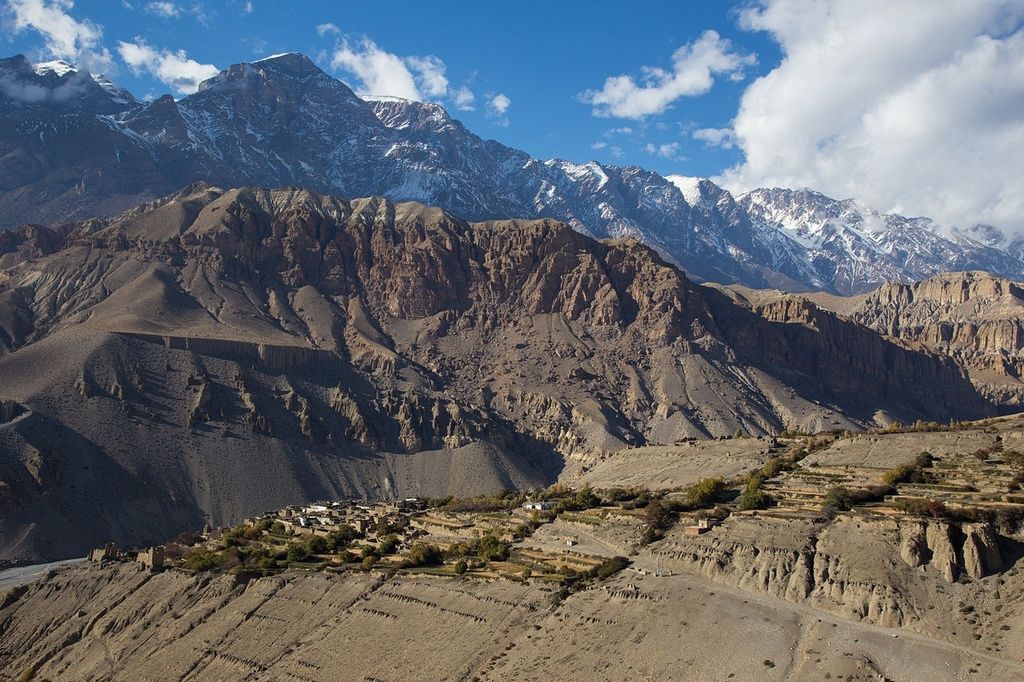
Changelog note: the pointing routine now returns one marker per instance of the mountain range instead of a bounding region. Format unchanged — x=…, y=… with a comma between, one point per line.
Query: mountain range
x=73, y=145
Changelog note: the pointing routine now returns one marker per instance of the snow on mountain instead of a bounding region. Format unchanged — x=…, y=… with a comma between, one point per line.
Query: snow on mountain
x=283, y=121
x=58, y=67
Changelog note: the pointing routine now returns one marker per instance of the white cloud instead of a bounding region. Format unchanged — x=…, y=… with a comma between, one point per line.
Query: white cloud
x=694, y=67
x=716, y=137
x=668, y=150
x=497, y=108
x=500, y=103
x=65, y=37
x=429, y=73
x=327, y=29
x=379, y=72
x=175, y=69
x=164, y=8
x=908, y=106
x=464, y=99
x=624, y=130
x=598, y=145
x=247, y=7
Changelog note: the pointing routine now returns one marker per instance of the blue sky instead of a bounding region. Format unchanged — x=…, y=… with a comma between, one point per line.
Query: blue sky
x=541, y=56
x=912, y=106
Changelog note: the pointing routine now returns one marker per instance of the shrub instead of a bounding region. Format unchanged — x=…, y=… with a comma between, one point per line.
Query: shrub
x=705, y=492
x=341, y=537
x=490, y=548
x=200, y=560
x=461, y=566
x=752, y=496
x=610, y=567
x=389, y=544
x=316, y=544
x=296, y=552
x=904, y=473
x=657, y=515
x=921, y=507
x=837, y=499
x=924, y=460
x=619, y=495
x=424, y=554
x=368, y=562
x=188, y=539
x=841, y=498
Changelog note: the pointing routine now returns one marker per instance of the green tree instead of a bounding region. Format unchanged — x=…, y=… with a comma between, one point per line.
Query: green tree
x=705, y=492
x=296, y=552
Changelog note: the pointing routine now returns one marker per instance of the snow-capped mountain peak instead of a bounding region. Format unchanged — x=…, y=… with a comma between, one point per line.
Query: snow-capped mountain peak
x=283, y=121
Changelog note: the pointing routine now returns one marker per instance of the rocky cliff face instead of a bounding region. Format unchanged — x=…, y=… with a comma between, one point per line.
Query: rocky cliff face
x=973, y=317
x=324, y=332
x=848, y=566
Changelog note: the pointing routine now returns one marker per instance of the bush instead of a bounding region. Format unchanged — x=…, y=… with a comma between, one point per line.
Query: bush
x=705, y=492
x=490, y=548
x=388, y=544
x=188, y=539
x=921, y=507
x=752, y=496
x=200, y=560
x=610, y=567
x=316, y=544
x=924, y=460
x=905, y=473
x=650, y=534
x=341, y=537
x=461, y=566
x=368, y=562
x=844, y=499
x=837, y=499
x=296, y=552
x=657, y=515
x=424, y=554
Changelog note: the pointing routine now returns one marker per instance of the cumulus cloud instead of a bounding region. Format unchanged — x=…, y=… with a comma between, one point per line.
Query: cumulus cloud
x=668, y=150
x=64, y=36
x=694, y=68
x=163, y=8
x=464, y=99
x=598, y=145
x=497, y=108
x=379, y=72
x=327, y=29
x=624, y=130
x=429, y=74
x=716, y=137
x=909, y=107
x=174, y=69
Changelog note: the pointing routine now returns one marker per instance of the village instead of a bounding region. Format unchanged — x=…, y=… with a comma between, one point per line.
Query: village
x=569, y=538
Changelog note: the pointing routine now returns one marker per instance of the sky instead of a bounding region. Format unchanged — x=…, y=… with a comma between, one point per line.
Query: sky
x=913, y=106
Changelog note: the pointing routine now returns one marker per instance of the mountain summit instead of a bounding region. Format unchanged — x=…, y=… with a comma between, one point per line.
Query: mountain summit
x=73, y=145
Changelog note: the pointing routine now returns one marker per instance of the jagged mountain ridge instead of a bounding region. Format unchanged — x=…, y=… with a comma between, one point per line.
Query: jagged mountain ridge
x=282, y=121
x=216, y=352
